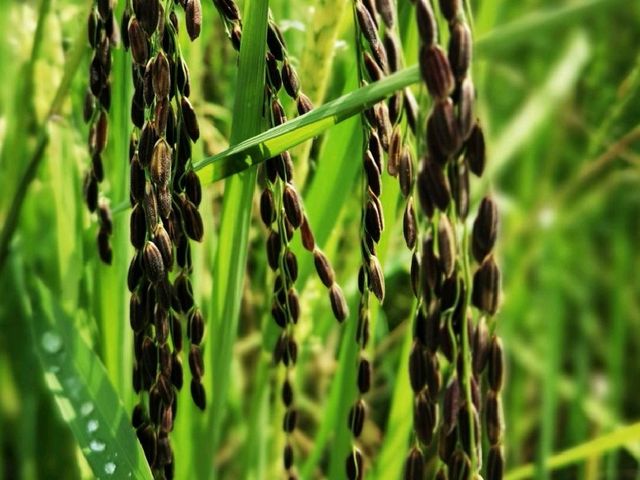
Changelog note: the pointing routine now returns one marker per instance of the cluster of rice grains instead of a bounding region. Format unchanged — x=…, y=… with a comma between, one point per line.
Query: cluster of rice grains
x=165, y=194
x=444, y=322
x=103, y=35
x=282, y=213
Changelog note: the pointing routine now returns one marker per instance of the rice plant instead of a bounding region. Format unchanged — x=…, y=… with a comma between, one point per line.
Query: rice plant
x=341, y=239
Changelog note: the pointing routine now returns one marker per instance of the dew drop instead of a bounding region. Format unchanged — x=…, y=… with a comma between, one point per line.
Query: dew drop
x=86, y=408
x=92, y=426
x=109, y=468
x=97, y=446
x=51, y=342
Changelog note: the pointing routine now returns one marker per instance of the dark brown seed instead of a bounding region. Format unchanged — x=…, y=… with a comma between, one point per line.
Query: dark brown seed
x=395, y=107
x=426, y=22
x=475, y=154
x=460, y=46
x=291, y=265
x=468, y=427
x=176, y=333
x=164, y=201
x=466, y=108
x=137, y=227
x=435, y=184
x=196, y=363
x=137, y=180
x=229, y=9
x=193, y=18
x=354, y=465
x=290, y=80
x=163, y=242
x=451, y=406
x=92, y=29
x=414, y=466
x=480, y=347
x=89, y=106
x=192, y=187
x=192, y=221
x=496, y=365
x=450, y=9
x=372, y=221
x=364, y=376
x=137, y=319
x=376, y=278
x=411, y=109
x=102, y=130
x=195, y=327
x=104, y=247
x=338, y=303
x=277, y=112
x=150, y=207
x=429, y=264
x=161, y=78
x=366, y=23
x=135, y=272
x=460, y=466
x=308, y=242
x=459, y=181
x=273, y=249
x=287, y=393
x=436, y=72
x=290, y=420
x=147, y=437
x=161, y=116
x=287, y=456
x=424, y=418
x=278, y=315
x=362, y=330
x=292, y=206
x=147, y=85
x=161, y=163
x=139, y=42
x=373, y=174
x=446, y=246
x=495, y=463
x=294, y=305
x=446, y=445
x=405, y=172
x=153, y=263
x=190, y=119
x=486, y=286
x=198, y=394
x=386, y=9
x=275, y=41
x=383, y=125
x=373, y=70
x=444, y=128
x=395, y=150
x=410, y=225
x=273, y=72
x=303, y=104
x=357, y=415
x=417, y=367
x=485, y=229
x=323, y=267
x=493, y=417
x=148, y=140
x=184, y=292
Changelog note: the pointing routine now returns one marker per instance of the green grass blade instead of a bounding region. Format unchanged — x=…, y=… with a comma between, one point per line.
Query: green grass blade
x=597, y=446
x=231, y=255
x=254, y=150
x=84, y=395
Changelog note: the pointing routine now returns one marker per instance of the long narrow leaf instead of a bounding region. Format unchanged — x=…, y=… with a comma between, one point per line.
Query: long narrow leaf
x=84, y=395
x=236, y=215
